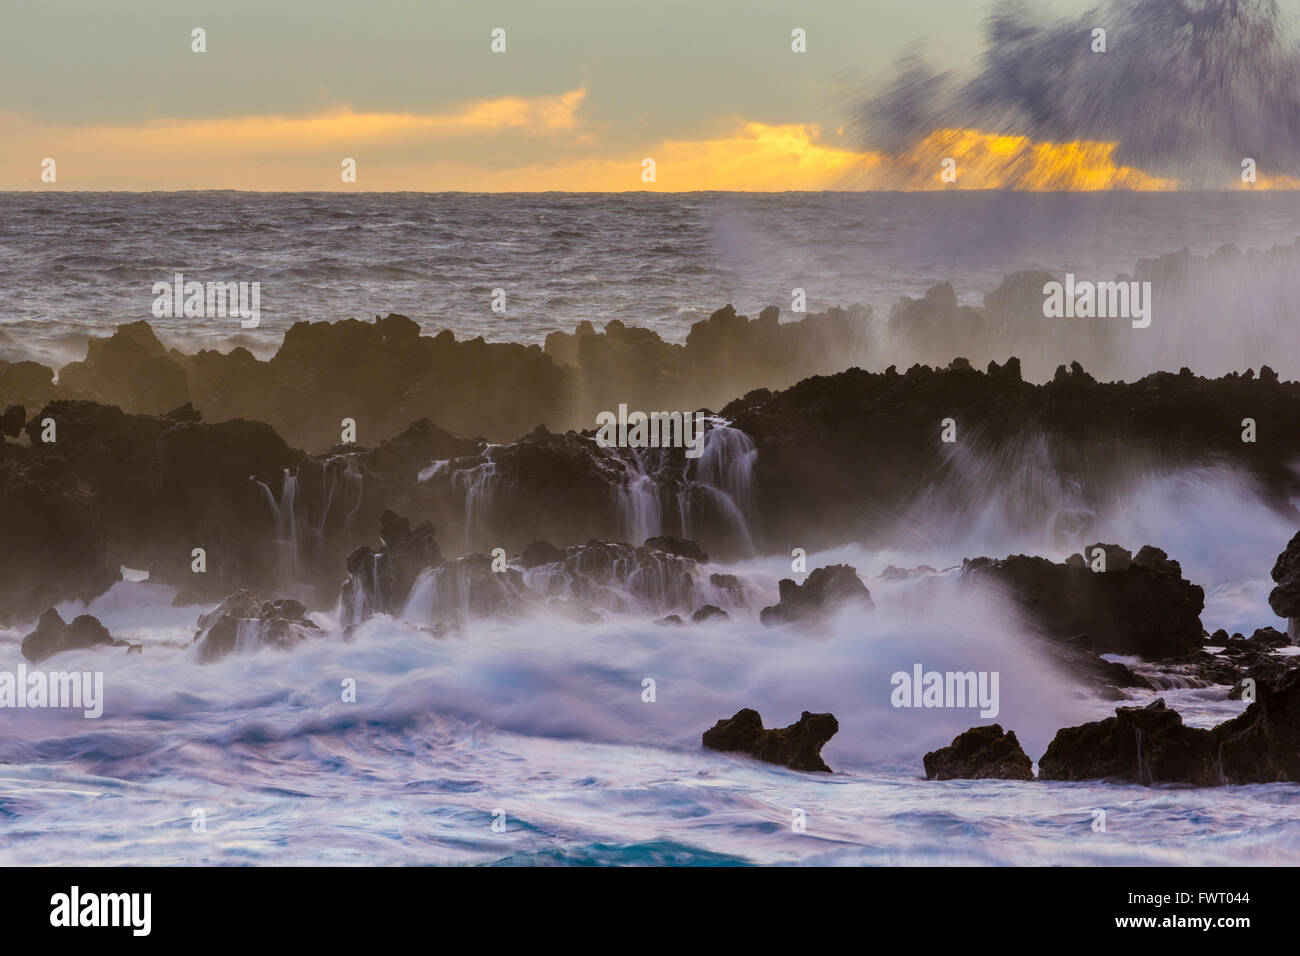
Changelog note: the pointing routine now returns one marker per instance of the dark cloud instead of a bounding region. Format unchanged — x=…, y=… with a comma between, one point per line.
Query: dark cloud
x=1188, y=88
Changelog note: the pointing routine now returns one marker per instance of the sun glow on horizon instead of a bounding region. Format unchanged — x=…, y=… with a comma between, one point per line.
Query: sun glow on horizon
x=535, y=144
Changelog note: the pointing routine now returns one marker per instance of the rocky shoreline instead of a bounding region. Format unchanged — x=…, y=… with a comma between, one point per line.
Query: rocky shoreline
x=230, y=514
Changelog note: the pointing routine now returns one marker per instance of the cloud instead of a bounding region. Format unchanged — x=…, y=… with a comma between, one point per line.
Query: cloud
x=995, y=161
x=267, y=152
x=528, y=144
x=504, y=144
x=1185, y=90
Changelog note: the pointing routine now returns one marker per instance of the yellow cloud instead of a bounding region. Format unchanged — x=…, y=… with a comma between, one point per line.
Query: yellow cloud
x=263, y=152
x=993, y=161
x=529, y=144
x=753, y=157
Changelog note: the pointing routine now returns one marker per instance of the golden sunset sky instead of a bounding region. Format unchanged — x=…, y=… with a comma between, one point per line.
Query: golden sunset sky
x=585, y=91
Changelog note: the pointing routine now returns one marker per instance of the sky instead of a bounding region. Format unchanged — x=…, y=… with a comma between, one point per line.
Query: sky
x=584, y=93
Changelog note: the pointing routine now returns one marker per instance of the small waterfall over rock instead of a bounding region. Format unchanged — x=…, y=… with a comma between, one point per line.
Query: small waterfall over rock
x=727, y=466
x=720, y=486
x=284, y=515
x=545, y=485
x=478, y=484
x=463, y=589
x=626, y=579
x=639, y=508
x=244, y=623
x=318, y=500
x=379, y=582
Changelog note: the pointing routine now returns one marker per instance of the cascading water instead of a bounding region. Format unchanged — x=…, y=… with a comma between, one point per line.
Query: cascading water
x=478, y=486
x=284, y=512
x=724, y=473
x=639, y=509
x=248, y=636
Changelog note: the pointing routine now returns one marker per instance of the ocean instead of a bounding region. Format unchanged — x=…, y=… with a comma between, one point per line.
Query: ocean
x=540, y=726
x=75, y=264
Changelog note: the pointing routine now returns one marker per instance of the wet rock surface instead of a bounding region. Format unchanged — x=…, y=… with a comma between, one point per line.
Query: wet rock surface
x=1285, y=598
x=385, y=373
x=710, y=613
x=980, y=753
x=1138, y=605
x=142, y=491
x=827, y=589
x=53, y=636
x=848, y=456
x=243, y=623
x=380, y=581
x=1139, y=744
x=1150, y=744
x=797, y=746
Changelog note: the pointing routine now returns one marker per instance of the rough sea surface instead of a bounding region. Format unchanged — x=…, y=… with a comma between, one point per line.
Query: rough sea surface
x=75, y=264
x=541, y=723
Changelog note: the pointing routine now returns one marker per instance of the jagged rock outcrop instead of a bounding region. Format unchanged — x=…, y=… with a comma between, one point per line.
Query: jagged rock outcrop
x=379, y=582
x=243, y=623
x=459, y=590
x=25, y=383
x=826, y=590
x=544, y=486
x=1262, y=745
x=553, y=487
x=385, y=374
x=136, y=490
x=1139, y=744
x=1285, y=598
x=1152, y=745
x=981, y=753
x=710, y=612
x=53, y=636
x=621, y=578
x=679, y=546
x=1139, y=605
x=798, y=746
x=857, y=456
x=539, y=552
x=725, y=355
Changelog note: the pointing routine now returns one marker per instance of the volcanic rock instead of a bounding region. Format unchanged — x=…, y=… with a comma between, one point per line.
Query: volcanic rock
x=1151, y=745
x=710, y=612
x=1141, y=606
x=683, y=547
x=1285, y=598
x=797, y=746
x=52, y=636
x=380, y=581
x=826, y=589
x=980, y=753
x=241, y=624
x=136, y=490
